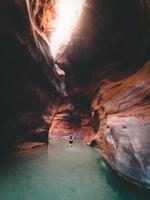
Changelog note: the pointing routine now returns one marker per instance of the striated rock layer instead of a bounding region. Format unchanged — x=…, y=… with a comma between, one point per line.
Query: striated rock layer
x=70, y=121
x=29, y=83
x=124, y=129
x=102, y=100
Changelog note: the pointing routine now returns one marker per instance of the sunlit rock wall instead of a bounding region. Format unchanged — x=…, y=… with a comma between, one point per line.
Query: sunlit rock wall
x=123, y=124
x=70, y=121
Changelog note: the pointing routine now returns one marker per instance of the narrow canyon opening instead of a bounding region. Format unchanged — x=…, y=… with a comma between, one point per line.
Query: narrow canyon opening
x=78, y=68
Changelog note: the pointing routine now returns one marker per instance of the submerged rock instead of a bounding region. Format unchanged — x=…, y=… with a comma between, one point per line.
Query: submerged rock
x=28, y=147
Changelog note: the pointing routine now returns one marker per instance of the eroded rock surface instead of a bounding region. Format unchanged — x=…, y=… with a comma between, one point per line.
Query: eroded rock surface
x=71, y=121
x=27, y=78
x=103, y=100
x=124, y=131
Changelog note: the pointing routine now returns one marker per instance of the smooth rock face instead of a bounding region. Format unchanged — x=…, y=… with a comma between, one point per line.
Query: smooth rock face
x=124, y=130
x=128, y=140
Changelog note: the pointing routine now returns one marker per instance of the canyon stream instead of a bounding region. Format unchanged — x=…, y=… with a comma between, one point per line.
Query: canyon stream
x=64, y=173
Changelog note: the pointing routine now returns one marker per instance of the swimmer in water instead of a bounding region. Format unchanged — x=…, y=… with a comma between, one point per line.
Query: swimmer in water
x=70, y=141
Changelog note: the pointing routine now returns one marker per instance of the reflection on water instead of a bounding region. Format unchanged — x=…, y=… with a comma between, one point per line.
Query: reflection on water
x=64, y=173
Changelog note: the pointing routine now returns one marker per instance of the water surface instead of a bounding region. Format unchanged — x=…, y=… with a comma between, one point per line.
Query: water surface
x=63, y=173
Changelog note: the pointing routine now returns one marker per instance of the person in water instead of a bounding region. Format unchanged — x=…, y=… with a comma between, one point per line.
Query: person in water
x=70, y=141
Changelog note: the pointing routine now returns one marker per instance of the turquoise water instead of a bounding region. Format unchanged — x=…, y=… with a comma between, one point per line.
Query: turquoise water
x=63, y=173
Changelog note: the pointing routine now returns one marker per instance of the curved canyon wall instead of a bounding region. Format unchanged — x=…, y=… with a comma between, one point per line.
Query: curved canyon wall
x=124, y=129
x=107, y=83
x=72, y=118
x=29, y=83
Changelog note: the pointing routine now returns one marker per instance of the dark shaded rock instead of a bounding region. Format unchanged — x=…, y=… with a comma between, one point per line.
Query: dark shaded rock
x=147, y=97
x=93, y=143
x=107, y=69
x=28, y=79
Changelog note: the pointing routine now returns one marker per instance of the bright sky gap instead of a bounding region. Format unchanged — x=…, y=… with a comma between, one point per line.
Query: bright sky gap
x=69, y=12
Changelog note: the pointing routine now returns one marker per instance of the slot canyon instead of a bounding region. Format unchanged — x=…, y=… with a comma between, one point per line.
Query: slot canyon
x=96, y=89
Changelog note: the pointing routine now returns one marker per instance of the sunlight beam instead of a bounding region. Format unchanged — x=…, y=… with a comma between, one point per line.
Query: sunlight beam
x=69, y=12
